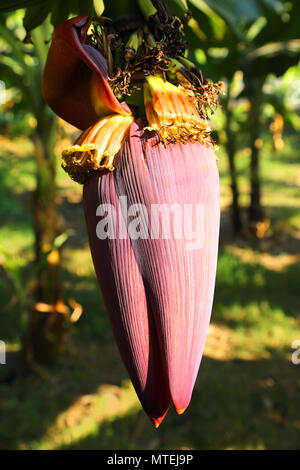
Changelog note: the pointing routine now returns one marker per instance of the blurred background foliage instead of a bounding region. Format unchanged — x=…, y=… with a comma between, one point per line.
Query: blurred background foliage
x=63, y=385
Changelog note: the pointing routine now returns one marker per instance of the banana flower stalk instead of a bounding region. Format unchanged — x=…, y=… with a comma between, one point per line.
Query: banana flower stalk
x=157, y=281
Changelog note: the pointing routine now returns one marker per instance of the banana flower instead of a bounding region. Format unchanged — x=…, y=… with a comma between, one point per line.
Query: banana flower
x=157, y=281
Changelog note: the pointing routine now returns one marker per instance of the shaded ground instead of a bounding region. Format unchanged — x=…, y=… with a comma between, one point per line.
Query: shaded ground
x=246, y=392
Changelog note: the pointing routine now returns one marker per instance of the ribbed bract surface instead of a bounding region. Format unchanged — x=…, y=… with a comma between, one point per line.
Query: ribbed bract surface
x=159, y=291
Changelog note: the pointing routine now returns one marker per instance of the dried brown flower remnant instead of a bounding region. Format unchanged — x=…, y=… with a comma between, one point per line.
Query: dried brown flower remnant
x=206, y=94
x=167, y=30
x=150, y=61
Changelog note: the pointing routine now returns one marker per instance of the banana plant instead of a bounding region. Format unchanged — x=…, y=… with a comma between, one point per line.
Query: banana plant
x=143, y=108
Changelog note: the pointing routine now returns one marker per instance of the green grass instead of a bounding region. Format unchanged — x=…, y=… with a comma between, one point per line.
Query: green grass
x=246, y=392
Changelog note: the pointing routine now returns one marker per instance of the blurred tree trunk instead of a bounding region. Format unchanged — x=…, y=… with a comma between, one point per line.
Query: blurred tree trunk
x=46, y=332
x=230, y=146
x=255, y=87
x=43, y=332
